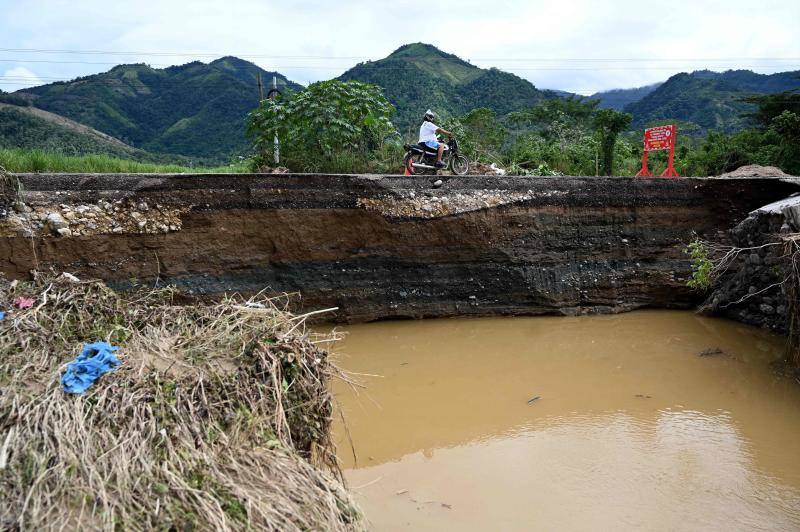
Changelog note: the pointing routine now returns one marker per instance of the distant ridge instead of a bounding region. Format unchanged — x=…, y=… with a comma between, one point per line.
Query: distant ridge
x=419, y=76
x=196, y=109
x=619, y=98
x=711, y=100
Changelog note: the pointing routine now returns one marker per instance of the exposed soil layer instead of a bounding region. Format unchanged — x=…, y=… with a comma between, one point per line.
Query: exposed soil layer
x=390, y=246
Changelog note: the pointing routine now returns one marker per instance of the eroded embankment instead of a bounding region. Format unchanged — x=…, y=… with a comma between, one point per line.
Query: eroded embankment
x=215, y=416
x=383, y=246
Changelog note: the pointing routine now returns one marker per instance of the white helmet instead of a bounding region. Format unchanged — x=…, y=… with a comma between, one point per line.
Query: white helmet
x=429, y=116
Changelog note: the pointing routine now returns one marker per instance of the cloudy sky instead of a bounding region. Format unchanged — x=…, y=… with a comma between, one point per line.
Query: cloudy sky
x=575, y=45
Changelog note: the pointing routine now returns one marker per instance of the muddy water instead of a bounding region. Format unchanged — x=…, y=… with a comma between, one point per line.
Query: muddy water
x=631, y=428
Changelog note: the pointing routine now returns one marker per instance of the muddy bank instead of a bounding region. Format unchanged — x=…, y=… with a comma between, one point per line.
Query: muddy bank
x=384, y=246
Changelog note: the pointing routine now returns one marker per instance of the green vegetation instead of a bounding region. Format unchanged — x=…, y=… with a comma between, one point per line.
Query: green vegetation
x=418, y=76
x=22, y=128
x=22, y=160
x=327, y=127
x=13, y=99
x=198, y=110
x=712, y=101
x=702, y=266
x=571, y=136
x=608, y=124
x=195, y=109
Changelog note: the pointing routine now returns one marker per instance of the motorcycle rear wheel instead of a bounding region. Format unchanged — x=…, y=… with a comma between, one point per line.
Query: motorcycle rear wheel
x=408, y=161
x=459, y=165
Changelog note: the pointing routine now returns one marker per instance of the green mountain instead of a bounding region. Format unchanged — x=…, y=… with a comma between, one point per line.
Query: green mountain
x=418, y=76
x=32, y=128
x=195, y=109
x=619, y=98
x=711, y=100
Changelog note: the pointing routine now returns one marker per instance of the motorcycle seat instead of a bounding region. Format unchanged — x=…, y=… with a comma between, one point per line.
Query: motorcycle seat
x=428, y=149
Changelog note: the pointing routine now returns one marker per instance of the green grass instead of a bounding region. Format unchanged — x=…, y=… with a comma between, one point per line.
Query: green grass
x=24, y=160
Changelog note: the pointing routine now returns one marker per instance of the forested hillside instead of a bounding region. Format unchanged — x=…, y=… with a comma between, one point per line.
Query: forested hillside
x=195, y=109
x=31, y=128
x=418, y=76
x=711, y=100
x=619, y=98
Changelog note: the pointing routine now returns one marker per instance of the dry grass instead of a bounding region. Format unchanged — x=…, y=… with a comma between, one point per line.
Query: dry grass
x=218, y=417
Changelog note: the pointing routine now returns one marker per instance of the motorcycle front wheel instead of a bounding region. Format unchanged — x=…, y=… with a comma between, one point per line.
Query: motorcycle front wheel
x=459, y=165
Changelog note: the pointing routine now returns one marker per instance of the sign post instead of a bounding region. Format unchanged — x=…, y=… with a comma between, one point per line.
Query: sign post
x=660, y=138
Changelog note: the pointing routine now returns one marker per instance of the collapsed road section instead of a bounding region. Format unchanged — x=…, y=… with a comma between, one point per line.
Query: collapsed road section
x=382, y=246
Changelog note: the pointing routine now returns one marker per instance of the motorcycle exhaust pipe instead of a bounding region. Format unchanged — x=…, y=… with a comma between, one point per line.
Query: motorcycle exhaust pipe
x=426, y=166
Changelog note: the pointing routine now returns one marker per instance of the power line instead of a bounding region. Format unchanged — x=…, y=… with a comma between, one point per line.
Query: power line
x=344, y=57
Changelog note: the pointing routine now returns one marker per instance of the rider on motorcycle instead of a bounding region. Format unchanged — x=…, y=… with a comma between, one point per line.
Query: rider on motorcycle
x=427, y=135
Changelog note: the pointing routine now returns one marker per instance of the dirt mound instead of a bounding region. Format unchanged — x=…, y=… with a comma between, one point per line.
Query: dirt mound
x=479, y=168
x=756, y=170
x=272, y=170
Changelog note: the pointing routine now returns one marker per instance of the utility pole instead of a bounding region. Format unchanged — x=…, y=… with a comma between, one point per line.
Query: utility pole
x=276, y=153
x=260, y=87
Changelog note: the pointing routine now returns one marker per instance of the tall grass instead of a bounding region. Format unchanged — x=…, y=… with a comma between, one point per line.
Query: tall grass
x=23, y=160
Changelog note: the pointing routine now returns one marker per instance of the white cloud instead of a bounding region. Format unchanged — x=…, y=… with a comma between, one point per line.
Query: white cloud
x=578, y=45
x=17, y=78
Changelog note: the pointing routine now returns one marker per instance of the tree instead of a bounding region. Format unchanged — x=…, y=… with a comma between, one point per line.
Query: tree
x=485, y=134
x=771, y=106
x=787, y=127
x=319, y=125
x=573, y=110
x=608, y=124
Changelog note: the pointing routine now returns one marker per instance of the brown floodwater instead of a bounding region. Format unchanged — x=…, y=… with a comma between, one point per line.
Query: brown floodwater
x=631, y=428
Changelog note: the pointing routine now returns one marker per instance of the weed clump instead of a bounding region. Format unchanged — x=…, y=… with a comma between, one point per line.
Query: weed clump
x=218, y=417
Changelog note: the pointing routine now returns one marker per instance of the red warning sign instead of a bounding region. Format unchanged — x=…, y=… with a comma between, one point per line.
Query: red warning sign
x=660, y=138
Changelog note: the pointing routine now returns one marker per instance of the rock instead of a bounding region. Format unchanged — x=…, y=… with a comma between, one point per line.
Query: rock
x=766, y=309
x=64, y=232
x=117, y=230
x=56, y=221
x=781, y=310
x=754, y=259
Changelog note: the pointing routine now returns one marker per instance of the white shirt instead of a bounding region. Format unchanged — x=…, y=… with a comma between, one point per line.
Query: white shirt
x=427, y=132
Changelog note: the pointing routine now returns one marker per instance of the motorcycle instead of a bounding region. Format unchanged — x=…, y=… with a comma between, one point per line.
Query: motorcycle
x=420, y=159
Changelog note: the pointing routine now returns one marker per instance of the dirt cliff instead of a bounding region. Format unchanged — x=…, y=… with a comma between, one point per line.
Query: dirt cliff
x=383, y=246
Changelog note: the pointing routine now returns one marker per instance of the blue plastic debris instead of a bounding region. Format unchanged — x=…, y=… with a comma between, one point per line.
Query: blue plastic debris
x=2, y=315
x=95, y=360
